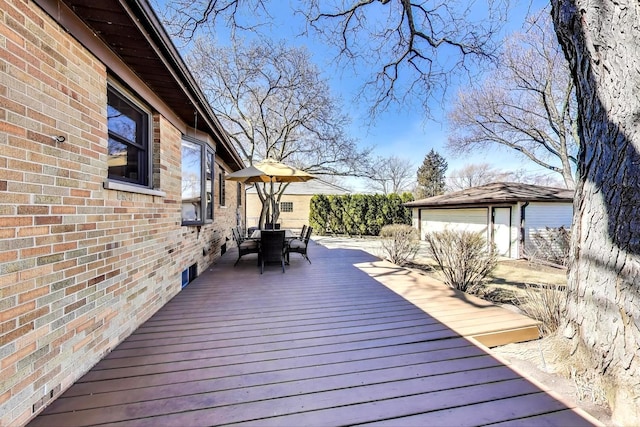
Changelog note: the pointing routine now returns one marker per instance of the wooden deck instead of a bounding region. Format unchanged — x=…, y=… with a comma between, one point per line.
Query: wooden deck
x=323, y=344
x=466, y=314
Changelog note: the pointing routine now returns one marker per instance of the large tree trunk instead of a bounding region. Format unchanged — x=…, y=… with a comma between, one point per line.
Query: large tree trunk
x=602, y=43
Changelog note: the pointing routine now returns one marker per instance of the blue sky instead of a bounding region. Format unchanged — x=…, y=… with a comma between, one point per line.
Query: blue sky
x=404, y=132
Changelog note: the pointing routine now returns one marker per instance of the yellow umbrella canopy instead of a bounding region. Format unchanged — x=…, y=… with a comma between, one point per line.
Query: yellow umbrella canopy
x=248, y=175
x=269, y=171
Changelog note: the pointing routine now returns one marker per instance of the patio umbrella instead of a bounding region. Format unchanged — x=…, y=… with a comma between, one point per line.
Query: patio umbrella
x=270, y=171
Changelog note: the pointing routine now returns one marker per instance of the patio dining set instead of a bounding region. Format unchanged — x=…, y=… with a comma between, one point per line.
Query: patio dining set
x=272, y=245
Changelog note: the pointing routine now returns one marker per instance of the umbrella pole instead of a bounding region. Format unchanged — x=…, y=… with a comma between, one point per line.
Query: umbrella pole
x=268, y=214
x=273, y=206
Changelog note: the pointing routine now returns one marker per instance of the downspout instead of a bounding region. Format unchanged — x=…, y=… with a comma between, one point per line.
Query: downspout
x=522, y=233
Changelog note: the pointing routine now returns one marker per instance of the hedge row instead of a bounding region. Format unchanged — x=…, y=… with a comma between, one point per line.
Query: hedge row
x=358, y=214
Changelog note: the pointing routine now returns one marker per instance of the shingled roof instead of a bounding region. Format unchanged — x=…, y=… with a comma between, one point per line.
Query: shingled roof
x=498, y=192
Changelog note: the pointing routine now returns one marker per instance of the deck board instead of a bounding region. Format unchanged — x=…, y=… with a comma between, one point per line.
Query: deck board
x=466, y=314
x=322, y=344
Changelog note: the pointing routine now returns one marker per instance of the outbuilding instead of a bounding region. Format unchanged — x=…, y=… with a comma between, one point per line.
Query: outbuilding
x=294, y=203
x=507, y=213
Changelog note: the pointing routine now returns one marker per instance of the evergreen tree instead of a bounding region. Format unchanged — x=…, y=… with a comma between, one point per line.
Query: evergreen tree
x=431, y=176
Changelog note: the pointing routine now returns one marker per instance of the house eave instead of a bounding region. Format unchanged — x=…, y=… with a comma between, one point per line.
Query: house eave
x=133, y=33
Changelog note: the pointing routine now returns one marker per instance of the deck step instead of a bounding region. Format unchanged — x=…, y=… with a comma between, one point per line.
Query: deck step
x=470, y=316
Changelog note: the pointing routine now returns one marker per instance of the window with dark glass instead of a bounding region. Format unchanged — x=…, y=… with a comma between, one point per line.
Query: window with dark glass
x=128, y=147
x=286, y=206
x=209, y=186
x=197, y=183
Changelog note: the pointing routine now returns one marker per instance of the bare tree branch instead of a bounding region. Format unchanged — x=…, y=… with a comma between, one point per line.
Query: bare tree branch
x=415, y=49
x=411, y=50
x=527, y=104
x=274, y=104
x=184, y=18
x=392, y=175
x=476, y=174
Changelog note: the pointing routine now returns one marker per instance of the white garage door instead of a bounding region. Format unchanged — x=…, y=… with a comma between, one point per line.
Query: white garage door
x=454, y=219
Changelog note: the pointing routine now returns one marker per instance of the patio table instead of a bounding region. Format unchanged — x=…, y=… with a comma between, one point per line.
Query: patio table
x=288, y=234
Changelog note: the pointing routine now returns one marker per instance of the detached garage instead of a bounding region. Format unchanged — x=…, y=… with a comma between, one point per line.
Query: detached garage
x=507, y=213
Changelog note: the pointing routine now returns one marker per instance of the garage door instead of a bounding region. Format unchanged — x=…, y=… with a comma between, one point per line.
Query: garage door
x=454, y=219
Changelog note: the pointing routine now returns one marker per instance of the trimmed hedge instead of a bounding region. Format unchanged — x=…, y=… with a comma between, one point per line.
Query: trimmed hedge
x=358, y=214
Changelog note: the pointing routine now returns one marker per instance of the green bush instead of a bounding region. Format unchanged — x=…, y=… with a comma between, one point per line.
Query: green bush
x=358, y=214
x=463, y=257
x=399, y=243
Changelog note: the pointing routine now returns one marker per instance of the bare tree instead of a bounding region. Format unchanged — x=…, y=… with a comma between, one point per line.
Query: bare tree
x=527, y=104
x=392, y=175
x=473, y=175
x=274, y=104
x=412, y=49
x=601, y=43
x=476, y=174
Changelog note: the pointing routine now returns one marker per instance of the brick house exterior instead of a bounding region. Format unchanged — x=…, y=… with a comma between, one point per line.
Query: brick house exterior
x=94, y=237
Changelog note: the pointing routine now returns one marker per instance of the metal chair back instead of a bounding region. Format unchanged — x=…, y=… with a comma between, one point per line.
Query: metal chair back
x=272, y=248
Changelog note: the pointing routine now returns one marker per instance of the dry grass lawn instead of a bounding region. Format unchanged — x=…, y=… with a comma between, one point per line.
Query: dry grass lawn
x=509, y=280
x=522, y=272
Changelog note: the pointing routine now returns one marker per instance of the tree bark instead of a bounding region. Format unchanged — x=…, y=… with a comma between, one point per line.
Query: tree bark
x=602, y=43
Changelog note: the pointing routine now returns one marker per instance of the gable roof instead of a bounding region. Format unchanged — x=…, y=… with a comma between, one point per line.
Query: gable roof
x=133, y=32
x=497, y=192
x=314, y=186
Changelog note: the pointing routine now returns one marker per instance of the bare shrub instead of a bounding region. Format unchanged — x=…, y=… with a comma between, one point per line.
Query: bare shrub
x=399, y=243
x=551, y=245
x=544, y=303
x=463, y=256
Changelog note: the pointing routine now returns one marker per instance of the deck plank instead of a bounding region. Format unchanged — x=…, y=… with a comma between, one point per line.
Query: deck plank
x=466, y=314
x=535, y=409
x=307, y=379
x=322, y=344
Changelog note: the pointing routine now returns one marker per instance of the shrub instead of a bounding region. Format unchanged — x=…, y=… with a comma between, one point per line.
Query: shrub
x=544, y=303
x=399, y=243
x=358, y=214
x=551, y=245
x=463, y=256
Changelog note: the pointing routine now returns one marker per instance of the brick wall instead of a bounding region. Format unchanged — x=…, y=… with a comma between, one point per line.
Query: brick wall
x=80, y=266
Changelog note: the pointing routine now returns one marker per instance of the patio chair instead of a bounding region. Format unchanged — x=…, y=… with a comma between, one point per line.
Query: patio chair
x=300, y=246
x=244, y=246
x=272, y=248
x=302, y=232
x=248, y=235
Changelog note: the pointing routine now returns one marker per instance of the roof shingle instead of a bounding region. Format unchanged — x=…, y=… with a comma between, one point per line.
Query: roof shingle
x=497, y=192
